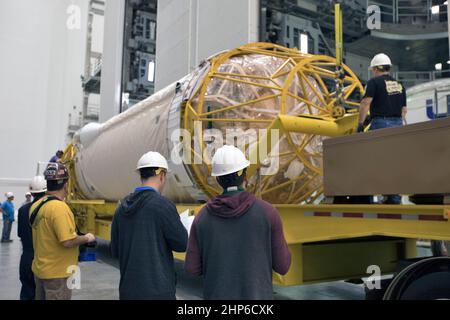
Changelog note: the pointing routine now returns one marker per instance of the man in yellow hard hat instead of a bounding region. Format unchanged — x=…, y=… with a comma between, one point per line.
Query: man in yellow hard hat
x=236, y=240
x=146, y=228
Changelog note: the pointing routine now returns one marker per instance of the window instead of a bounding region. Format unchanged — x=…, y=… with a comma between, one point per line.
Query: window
x=304, y=43
x=151, y=71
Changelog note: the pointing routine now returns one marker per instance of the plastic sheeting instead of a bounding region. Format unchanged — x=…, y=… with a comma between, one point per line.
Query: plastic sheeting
x=301, y=178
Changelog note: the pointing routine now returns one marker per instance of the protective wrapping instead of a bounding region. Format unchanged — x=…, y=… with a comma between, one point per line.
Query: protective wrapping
x=299, y=172
x=106, y=163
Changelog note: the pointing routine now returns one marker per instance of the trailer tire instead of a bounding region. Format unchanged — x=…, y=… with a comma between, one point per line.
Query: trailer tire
x=424, y=280
x=430, y=287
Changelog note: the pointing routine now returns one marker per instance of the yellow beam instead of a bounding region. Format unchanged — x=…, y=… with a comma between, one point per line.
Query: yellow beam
x=339, y=34
x=322, y=126
x=316, y=125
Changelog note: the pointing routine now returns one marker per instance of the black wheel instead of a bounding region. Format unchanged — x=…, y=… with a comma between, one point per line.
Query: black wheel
x=430, y=287
x=423, y=280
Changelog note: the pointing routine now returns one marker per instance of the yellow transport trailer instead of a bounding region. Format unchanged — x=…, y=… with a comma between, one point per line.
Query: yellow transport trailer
x=327, y=242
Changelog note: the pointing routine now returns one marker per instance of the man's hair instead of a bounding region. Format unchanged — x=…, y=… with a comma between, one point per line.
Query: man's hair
x=38, y=195
x=385, y=68
x=59, y=152
x=232, y=180
x=56, y=185
x=147, y=173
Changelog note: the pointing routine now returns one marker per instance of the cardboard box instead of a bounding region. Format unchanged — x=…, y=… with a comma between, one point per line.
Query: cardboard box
x=413, y=159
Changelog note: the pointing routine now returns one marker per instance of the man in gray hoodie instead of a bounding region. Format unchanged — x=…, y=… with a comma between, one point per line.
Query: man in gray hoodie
x=236, y=240
x=146, y=229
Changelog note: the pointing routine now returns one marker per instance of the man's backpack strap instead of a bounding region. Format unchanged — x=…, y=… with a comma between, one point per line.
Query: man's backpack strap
x=36, y=210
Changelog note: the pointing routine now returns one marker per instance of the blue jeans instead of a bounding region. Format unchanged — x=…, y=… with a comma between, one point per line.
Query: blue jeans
x=6, y=233
x=381, y=123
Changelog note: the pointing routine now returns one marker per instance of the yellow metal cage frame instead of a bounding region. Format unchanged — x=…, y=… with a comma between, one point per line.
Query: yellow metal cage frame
x=330, y=117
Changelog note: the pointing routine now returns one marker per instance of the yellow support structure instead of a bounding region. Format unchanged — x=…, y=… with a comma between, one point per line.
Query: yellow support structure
x=307, y=124
x=300, y=79
x=339, y=34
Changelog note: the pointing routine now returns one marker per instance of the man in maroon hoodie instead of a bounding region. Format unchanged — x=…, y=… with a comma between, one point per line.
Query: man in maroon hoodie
x=236, y=240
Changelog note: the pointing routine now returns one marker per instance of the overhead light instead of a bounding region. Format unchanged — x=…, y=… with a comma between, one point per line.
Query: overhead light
x=435, y=9
x=438, y=66
x=303, y=43
x=448, y=62
x=445, y=3
x=151, y=71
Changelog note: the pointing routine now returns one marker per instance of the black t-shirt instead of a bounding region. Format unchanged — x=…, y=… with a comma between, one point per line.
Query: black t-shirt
x=389, y=96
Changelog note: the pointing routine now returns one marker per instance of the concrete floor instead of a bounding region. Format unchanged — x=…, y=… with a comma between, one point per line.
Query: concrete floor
x=100, y=280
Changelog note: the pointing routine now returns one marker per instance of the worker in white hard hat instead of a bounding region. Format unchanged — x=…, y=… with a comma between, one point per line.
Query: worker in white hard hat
x=146, y=229
x=28, y=199
x=8, y=217
x=236, y=240
x=385, y=98
x=38, y=187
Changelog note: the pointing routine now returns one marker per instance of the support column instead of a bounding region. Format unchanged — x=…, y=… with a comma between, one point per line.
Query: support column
x=111, y=80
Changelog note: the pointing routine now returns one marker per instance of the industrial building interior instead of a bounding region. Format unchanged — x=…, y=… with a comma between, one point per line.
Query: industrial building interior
x=110, y=65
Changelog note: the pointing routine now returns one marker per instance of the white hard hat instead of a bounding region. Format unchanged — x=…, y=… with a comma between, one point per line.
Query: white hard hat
x=380, y=59
x=228, y=159
x=38, y=184
x=28, y=194
x=152, y=160
x=9, y=195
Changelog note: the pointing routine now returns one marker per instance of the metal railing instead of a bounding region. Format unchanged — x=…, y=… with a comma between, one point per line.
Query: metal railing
x=412, y=78
x=409, y=12
x=96, y=66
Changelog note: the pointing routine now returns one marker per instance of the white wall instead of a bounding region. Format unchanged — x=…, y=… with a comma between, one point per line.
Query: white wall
x=41, y=61
x=360, y=65
x=110, y=89
x=189, y=31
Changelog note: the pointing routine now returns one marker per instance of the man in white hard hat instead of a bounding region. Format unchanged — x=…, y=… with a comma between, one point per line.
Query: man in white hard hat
x=236, y=240
x=28, y=198
x=146, y=229
x=38, y=187
x=385, y=98
x=8, y=217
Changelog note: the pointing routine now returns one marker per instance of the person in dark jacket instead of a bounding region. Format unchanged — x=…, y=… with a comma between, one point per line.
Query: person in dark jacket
x=146, y=229
x=236, y=240
x=38, y=187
